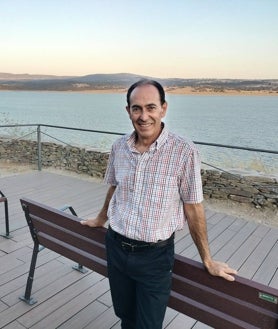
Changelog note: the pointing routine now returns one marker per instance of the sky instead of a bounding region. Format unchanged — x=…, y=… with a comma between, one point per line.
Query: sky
x=235, y=39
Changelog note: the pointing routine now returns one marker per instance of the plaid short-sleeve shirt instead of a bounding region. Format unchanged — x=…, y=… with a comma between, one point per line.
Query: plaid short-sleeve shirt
x=152, y=187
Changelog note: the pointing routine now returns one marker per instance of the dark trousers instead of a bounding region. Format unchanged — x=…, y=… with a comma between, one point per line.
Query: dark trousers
x=140, y=283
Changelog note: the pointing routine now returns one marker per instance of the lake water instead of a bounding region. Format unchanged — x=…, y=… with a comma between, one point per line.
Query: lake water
x=248, y=121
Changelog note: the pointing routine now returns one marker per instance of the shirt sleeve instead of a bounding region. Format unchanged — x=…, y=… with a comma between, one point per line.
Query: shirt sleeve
x=191, y=189
x=109, y=177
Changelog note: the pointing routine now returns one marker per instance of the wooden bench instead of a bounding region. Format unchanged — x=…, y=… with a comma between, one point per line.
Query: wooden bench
x=211, y=300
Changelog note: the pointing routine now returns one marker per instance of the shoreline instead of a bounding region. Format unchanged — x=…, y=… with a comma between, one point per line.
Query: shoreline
x=221, y=92
x=168, y=90
x=186, y=91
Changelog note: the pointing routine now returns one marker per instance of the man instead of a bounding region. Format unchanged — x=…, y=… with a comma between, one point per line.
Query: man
x=155, y=185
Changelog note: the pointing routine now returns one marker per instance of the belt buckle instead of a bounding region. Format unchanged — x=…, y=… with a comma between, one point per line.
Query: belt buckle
x=129, y=245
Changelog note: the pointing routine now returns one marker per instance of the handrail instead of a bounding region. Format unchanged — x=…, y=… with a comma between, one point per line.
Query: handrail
x=39, y=132
x=238, y=147
x=62, y=127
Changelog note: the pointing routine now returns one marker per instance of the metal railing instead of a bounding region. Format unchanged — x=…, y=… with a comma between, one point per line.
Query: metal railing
x=39, y=133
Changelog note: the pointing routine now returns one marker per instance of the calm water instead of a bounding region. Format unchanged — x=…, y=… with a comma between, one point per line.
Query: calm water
x=249, y=121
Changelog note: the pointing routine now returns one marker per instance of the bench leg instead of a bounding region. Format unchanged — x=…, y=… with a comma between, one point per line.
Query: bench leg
x=7, y=220
x=80, y=268
x=27, y=296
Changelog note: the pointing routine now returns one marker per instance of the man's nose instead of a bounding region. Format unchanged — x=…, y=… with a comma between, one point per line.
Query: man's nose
x=144, y=115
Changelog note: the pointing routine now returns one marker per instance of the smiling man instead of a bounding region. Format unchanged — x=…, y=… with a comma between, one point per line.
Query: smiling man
x=146, y=109
x=155, y=186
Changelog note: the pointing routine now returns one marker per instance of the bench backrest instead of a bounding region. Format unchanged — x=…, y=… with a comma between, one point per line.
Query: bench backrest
x=211, y=300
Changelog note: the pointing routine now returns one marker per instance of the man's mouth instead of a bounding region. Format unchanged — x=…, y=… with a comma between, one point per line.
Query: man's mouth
x=144, y=124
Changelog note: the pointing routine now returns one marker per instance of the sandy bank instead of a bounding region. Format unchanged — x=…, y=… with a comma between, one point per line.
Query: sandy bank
x=186, y=91
x=221, y=92
x=170, y=90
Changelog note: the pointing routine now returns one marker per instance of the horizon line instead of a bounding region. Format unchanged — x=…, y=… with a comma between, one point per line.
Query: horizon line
x=126, y=73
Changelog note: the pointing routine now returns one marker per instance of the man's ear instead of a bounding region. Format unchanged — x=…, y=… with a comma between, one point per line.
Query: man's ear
x=128, y=110
x=164, y=109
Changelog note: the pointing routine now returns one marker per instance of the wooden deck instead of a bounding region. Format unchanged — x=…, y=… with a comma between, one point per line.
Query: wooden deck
x=71, y=300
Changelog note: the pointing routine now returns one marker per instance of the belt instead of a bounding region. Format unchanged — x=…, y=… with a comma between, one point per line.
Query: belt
x=131, y=245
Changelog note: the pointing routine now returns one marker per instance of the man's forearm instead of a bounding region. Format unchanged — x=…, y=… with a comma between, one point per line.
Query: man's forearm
x=198, y=229
x=103, y=212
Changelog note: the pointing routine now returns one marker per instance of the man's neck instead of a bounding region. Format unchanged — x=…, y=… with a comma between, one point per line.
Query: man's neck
x=143, y=144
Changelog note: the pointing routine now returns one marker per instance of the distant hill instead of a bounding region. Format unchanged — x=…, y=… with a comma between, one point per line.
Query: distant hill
x=26, y=76
x=118, y=81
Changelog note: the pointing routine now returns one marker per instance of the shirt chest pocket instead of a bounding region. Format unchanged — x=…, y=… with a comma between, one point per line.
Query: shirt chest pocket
x=161, y=189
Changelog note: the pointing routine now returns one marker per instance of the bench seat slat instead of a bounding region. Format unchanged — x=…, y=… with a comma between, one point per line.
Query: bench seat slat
x=66, y=220
x=206, y=314
x=78, y=255
x=62, y=233
x=224, y=303
x=242, y=289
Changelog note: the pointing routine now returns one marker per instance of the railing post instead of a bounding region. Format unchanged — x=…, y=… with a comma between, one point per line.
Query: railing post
x=4, y=199
x=39, y=148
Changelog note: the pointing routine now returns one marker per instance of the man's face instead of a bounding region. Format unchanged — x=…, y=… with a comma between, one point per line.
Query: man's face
x=146, y=112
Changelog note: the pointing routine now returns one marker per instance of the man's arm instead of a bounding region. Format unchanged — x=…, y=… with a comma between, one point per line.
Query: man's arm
x=101, y=218
x=195, y=214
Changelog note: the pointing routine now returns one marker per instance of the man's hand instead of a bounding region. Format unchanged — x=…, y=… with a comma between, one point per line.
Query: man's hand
x=101, y=218
x=93, y=222
x=195, y=214
x=221, y=269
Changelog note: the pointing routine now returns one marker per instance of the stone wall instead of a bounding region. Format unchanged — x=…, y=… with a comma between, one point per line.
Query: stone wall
x=79, y=160
x=259, y=191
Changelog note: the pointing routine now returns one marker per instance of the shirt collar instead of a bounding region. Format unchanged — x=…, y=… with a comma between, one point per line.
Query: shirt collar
x=162, y=138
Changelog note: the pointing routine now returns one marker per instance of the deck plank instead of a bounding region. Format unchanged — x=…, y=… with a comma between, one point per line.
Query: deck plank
x=72, y=303
x=258, y=255
x=69, y=299
x=268, y=268
x=85, y=316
